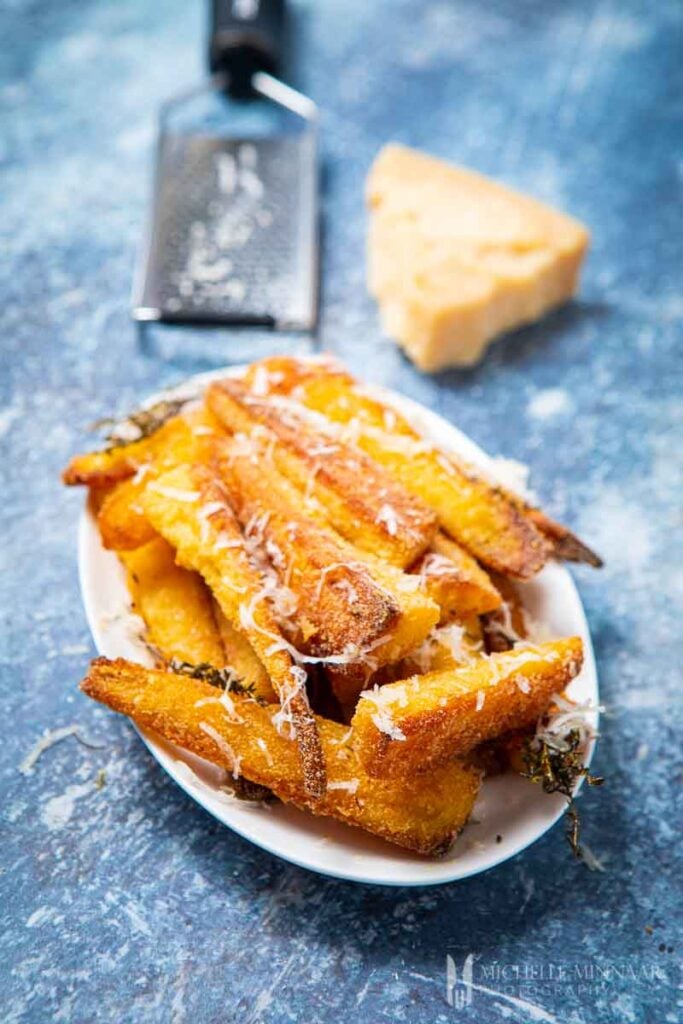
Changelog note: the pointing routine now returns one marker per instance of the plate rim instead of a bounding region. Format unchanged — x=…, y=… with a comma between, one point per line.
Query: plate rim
x=86, y=531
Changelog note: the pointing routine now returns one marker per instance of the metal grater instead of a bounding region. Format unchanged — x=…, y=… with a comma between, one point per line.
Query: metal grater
x=233, y=237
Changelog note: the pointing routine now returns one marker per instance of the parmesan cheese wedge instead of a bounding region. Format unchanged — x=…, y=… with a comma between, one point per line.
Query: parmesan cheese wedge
x=455, y=259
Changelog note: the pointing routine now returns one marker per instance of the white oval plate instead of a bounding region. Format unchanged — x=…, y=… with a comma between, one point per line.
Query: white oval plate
x=510, y=813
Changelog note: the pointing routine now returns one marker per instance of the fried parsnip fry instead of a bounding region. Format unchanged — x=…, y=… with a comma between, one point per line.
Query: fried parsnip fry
x=566, y=545
x=363, y=503
x=121, y=519
x=473, y=512
x=180, y=439
x=184, y=622
x=174, y=604
x=413, y=725
x=314, y=564
x=455, y=581
x=109, y=466
x=122, y=523
x=351, y=607
x=447, y=647
x=188, y=507
x=323, y=385
x=119, y=463
x=422, y=814
x=97, y=497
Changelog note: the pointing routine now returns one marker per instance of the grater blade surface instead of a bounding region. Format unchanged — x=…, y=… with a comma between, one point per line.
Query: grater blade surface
x=233, y=235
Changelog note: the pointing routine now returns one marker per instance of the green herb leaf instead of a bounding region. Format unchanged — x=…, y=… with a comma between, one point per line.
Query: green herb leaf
x=223, y=678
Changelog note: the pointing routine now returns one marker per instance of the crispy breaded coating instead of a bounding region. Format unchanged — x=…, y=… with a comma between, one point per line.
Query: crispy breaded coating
x=323, y=385
x=472, y=511
x=455, y=580
x=413, y=725
x=174, y=604
x=363, y=503
x=180, y=439
x=315, y=565
x=184, y=621
x=238, y=734
x=188, y=507
x=241, y=657
x=347, y=601
x=121, y=520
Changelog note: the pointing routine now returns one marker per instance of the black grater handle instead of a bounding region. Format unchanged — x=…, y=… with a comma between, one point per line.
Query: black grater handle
x=246, y=37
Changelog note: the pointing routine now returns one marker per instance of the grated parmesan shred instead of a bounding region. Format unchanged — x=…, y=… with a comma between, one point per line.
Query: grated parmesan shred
x=505, y=664
x=223, y=746
x=283, y=719
x=204, y=515
x=261, y=743
x=388, y=517
x=386, y=724
x=506, y=624
x=352, y=653
x=347, y=588
x=49, y=739
x=350, y=567
x=568, y=717
x=260, y=382
x=175, y=493
x=452, y=637
x=350, y=786
x=343, y=739
x=435, y=565
x=142, y=471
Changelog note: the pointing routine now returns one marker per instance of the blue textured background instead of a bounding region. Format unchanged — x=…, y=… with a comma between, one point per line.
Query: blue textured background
x=127, y=903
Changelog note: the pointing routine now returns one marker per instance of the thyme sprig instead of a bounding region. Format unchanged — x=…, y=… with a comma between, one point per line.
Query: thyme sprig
x=141, y=423
x=222, y=678
x=557, y=771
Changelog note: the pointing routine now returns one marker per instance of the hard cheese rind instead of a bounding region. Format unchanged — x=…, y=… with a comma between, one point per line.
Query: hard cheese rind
x=455, y=259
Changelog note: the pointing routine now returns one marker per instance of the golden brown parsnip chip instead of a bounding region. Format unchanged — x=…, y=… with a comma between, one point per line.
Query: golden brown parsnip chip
x=455, y=580
x=473, y=512
x=413, y=725
x=121, y=520
x=180, y=439
x=363, y=503
x=188, y=507
x=183, y=620
x=238, y=734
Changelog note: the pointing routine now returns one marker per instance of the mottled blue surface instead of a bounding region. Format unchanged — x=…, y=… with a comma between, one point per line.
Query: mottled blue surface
x=127, y=903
